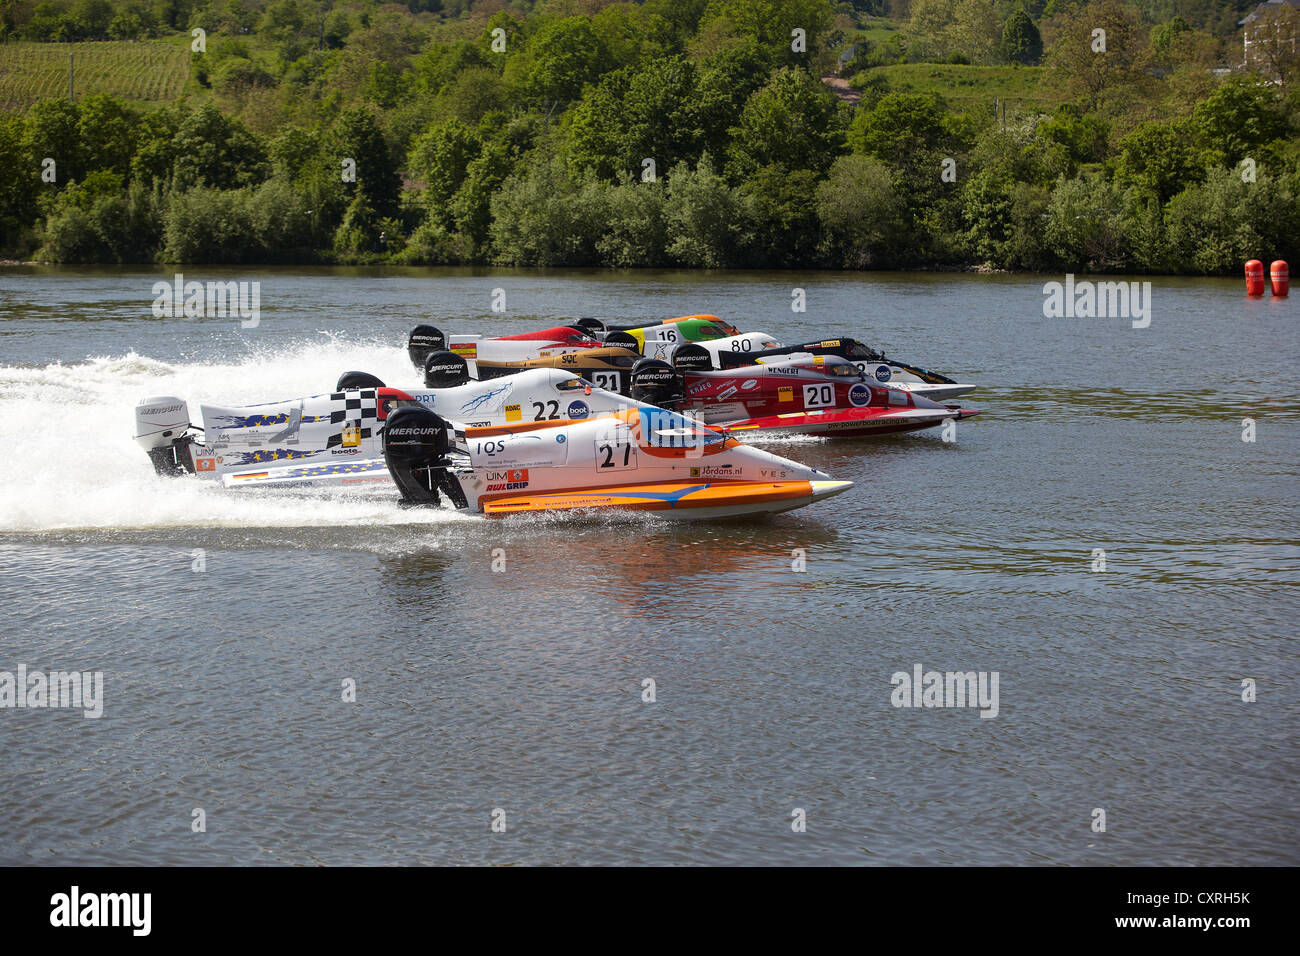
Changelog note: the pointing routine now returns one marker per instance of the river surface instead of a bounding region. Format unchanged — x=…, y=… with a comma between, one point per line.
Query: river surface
x=522, y=690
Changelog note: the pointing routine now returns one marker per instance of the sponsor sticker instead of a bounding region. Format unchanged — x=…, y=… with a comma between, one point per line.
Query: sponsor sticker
x=785, y=393
x=883, y=373
x=578, y=410
x=715, y=471
x=831, y=344
x=749, y=383
x=351, y=436
x=860, y=395
x=206, y=464
x=514, y=480
x=513, y=413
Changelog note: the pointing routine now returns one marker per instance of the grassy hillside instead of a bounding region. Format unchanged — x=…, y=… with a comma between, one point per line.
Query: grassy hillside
x=971, y=88
x=141, y=71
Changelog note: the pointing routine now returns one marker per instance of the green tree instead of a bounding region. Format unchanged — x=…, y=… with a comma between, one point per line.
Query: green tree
x=709, y=224
x=212, y=149
x=770, y=24
x=1100, y=79
x=1238, y=120
x=561, y=58
x=860, y=215
x=787, y=231
x=1160, y=158
x=441, y=156
x=1214, y=226
x=636, y=225
x=543, y=217
x=52, y=132
x=1021, y=42
x=793, y=123
x=1085, y=224
x=356, y=136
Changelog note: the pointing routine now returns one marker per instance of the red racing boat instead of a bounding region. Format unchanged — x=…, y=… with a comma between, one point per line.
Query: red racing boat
x=808, y=395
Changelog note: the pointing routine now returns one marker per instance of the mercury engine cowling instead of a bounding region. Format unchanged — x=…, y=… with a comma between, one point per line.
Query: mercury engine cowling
x=656, y=383
x=690, y=357
x=162, y=429
x=351, y=381
x=417, y=443
x=423, y=340
x=622, y=340
x=445, y=370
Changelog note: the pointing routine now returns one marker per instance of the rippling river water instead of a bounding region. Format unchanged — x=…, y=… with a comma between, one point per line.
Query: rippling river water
x=522, y=690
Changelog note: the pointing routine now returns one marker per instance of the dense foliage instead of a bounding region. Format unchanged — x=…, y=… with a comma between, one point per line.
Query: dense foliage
x=669, y=132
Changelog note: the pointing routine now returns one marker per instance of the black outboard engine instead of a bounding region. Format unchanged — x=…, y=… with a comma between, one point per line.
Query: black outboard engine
x=445, y=370
x=690, y=357
x=351, y=381
x=423, y=340
x=622, y=340
x=657, y=383
x=593, y=327
x=416, y=445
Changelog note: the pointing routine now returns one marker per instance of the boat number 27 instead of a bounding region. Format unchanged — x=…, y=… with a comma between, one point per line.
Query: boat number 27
x=615, y=455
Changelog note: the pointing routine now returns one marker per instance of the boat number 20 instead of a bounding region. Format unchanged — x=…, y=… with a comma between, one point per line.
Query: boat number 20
x=818, y=396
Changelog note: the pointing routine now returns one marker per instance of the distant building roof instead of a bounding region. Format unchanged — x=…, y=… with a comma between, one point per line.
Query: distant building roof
x=1267, y=8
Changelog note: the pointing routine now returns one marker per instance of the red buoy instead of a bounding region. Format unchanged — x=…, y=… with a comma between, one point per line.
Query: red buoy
x=1254, y=277
x=1280, y=277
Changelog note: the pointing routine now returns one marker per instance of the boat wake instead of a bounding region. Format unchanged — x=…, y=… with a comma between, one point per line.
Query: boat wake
x=69, y=462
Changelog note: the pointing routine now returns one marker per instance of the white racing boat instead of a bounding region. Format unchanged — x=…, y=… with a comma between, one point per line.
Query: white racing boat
x=539, y=441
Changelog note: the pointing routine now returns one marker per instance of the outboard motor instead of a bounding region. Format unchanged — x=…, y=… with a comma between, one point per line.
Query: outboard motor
x=593, y=327
x=351, y=381
x=423, y=340
x=622, y=340
x=690, y=357
x=445, y=370
x=416, y=445
x=162, y=429
x=656, y=383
